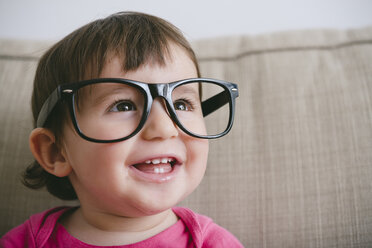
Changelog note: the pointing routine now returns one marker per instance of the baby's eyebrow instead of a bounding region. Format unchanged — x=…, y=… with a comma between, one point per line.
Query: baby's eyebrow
x=187, y=90
x=102, y=93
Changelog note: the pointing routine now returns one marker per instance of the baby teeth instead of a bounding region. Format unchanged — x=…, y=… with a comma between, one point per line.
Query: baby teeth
x=159, y=170
x=158, y=161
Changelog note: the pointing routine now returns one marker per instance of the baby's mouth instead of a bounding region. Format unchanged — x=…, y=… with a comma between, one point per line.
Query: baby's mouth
x=157, y=165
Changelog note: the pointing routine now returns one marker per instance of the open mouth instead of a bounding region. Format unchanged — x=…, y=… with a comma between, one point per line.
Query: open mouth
x=156, y=170
x=157, y=165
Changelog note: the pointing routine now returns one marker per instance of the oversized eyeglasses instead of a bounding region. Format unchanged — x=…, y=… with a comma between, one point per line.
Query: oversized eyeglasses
x=109, y=110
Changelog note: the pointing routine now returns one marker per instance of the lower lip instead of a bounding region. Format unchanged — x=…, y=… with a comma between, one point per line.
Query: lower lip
x=155, y=177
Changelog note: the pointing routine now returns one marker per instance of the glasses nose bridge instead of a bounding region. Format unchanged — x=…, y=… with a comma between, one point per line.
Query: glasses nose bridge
x=158, y=90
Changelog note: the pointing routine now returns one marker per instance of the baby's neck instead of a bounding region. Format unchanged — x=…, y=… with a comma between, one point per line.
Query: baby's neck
x=105, y=230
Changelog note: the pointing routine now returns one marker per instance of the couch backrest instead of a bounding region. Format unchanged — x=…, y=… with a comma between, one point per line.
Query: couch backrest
x=295, y=171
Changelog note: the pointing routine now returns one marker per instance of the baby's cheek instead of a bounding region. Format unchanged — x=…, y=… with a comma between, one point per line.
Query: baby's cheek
x=198, y=153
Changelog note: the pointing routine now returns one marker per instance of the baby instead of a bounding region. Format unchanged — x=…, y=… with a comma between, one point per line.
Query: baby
x=122, y=122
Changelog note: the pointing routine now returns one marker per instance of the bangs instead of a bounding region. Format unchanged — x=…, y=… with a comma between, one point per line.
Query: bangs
x=135, y=39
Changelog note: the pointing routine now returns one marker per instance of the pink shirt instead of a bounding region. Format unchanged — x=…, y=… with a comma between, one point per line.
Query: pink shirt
x=192, y=230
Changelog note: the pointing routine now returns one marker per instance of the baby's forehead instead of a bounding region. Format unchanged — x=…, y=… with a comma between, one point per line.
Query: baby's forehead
x=176, y=65
x=150, y=56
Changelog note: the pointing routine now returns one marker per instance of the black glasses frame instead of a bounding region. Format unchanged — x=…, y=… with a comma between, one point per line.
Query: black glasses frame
x=150, y=91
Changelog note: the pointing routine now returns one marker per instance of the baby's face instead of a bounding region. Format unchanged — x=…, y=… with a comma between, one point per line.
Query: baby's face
x=150, y=172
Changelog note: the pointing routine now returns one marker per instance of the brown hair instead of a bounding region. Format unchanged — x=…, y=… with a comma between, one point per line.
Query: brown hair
x=135, y=37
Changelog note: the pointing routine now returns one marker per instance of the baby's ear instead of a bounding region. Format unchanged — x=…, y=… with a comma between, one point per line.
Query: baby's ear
x=45, y=150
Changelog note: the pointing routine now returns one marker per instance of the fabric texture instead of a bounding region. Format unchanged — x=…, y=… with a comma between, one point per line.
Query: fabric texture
x=192, y=230
x=296, y=169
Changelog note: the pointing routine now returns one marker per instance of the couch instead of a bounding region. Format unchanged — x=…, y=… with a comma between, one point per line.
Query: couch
x=295, y=171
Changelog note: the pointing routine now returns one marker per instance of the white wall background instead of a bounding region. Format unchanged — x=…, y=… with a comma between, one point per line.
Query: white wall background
x=53, y=19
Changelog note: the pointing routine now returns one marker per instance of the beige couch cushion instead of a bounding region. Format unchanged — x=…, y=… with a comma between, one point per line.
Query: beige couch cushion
x=295, y=171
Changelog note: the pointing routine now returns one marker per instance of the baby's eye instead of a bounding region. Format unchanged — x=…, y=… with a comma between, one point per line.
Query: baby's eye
x=120, y=106
x=183, y=105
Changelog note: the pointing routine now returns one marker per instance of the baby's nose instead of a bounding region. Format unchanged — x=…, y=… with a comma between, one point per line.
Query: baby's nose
x=159, y=124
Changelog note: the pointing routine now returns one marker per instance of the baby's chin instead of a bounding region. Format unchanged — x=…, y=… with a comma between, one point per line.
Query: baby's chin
x=155, y=206
x=154, y=198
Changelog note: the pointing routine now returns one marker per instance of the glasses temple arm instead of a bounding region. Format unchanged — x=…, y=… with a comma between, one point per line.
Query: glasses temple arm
x=47, y=108
x=215, y=102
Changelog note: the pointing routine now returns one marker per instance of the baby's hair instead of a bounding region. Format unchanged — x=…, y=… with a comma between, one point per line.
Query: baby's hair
x=136, y=38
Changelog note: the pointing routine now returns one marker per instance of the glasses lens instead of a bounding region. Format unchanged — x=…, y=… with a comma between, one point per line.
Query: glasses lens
x=203, y=108
x=108, y=111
